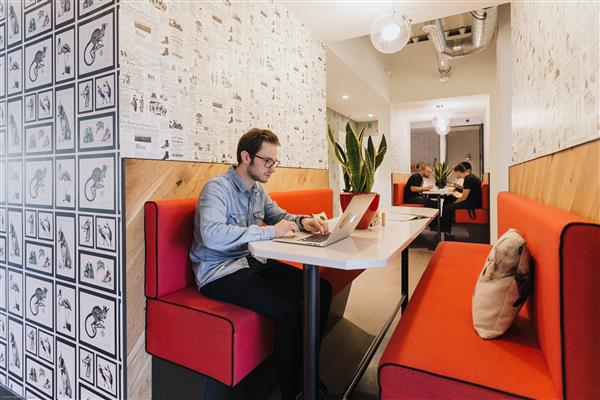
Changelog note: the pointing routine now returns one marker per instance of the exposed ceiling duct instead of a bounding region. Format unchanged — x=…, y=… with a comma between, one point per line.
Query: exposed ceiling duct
x=482, y=34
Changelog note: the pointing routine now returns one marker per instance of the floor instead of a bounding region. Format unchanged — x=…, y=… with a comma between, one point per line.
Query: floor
x=373, y=297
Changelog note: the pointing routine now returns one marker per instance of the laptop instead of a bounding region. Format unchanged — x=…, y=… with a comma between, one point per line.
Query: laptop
x=342, y=229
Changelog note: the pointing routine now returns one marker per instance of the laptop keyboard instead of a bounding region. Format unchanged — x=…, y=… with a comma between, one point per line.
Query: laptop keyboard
x=316, y=238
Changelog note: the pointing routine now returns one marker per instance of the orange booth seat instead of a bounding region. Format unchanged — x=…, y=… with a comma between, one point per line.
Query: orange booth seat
x=399, y=196
x=221, y=341
x=551, y=350
x=482, y=215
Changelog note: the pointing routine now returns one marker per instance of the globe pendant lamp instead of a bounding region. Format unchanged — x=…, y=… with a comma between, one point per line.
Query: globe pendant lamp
x=441, y=121
x=390, y=32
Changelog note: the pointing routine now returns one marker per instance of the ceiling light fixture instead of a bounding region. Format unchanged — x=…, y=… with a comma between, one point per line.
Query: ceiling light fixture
x=441, y=121
x=390, y=32
x=369, y=115
x=345, y=97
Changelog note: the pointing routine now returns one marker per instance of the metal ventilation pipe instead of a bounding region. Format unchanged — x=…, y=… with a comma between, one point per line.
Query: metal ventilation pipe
x=483, y=31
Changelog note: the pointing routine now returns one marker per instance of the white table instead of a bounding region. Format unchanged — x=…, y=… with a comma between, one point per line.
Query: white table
x=373, y=248
x=439, y=193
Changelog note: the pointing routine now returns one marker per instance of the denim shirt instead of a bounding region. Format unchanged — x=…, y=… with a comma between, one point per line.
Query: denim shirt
x=228, y=216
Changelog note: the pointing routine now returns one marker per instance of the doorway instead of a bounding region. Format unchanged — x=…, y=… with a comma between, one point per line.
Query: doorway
x=465, y=143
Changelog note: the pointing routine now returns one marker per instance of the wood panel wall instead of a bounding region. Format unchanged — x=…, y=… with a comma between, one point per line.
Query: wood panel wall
x=568, y=179
x=153, y=180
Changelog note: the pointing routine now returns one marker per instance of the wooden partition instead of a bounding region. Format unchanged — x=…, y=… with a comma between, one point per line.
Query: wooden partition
x=568, y=179
x=154, y=180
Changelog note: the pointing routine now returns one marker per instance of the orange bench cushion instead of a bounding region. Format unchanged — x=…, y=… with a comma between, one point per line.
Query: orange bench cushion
x=399, y=196
x=482, y=215
x=435, y=352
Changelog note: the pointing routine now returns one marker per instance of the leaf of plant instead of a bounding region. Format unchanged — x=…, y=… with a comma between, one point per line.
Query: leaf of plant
x=380, y=152
x=354, y=157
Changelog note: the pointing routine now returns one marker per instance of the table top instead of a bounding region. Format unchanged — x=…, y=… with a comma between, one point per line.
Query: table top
x=421, y=211
x=368, y=248
x=446, y=190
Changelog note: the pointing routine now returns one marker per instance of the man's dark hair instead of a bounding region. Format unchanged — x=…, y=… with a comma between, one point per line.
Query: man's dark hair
x=460, y=168
x=252, y=141
x=467, y=165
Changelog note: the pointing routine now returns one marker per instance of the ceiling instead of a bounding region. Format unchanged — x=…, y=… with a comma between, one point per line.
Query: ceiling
x=463, y=107
x=335, y=20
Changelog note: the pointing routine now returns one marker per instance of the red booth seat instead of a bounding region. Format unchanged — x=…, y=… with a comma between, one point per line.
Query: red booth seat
x=482, y=215
x=551, y=351
x=399, y=196
x=216, y=339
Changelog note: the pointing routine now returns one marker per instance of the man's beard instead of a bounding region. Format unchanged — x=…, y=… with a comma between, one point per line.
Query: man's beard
x=254, y=176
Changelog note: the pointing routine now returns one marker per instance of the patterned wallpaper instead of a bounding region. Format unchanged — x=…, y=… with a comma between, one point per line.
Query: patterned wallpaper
x=60, y=217
x=337, y=122
x=555, y=89
x=399, y=147
x=197, y=75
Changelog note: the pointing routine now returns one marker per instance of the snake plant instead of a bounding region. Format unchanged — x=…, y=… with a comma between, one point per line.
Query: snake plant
x=358, y=163
x=441, y=172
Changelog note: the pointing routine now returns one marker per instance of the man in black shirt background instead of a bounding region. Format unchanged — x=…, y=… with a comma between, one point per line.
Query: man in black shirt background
x=469, y=169
x=470, y=199
x=414, y=187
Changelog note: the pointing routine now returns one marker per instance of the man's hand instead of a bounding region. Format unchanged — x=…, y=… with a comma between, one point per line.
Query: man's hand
x=457, y=185
x=284, y=226
x=315, y=225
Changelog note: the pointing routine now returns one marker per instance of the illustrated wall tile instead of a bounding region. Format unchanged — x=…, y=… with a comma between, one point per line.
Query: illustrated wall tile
x=97, y=132
x=30, y=107
x=39, y=63
x=87, y=393
x=105, y=92
x=85, y=96
x=38, y=139
x=66, y=310
x=3, y=326
x=87, y=7
x=15, y=386
x=3, y=181
x=3, y=356
x=45, y=346
x=64, y=182
x=65, y=119
x=39, y=376
x=15, y=182
x=15, y=237
x=65, y=12
x=96, y=44
x=38, y=20
x=31, y=340
x=39, y=257
x=97, y=270
x=106, y=233
x=65, y=56
x=2, y=71
x=86, y=365
x=106, y=375
x=40, y=301
x=15, y=72
x=3, y=295
x=45, y=108
x=38, y=182
x=14, y=22
x=15, y=347
x=66, y=382
x=45, y=225
x=66, y=263
x=97, y=321
x=14, y=126
x=97, y=183
x=86, y=230
x=31, y=224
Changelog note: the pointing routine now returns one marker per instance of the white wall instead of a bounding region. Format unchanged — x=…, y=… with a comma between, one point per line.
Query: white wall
x=371, y=65
x=501, y=141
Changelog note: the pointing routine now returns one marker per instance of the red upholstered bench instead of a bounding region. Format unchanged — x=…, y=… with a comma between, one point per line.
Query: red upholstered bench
x=482, y=215
x=399, y=196
x=216, y=339
x=552, y=349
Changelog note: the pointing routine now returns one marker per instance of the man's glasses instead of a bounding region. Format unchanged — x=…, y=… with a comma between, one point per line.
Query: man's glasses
x=269, y=162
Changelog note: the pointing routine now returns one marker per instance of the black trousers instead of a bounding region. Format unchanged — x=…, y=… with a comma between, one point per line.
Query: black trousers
x=448, y=214
x=274, y=290
x=422, y=200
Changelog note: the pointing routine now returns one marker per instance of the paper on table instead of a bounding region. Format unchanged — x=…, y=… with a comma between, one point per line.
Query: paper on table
x=401, y=217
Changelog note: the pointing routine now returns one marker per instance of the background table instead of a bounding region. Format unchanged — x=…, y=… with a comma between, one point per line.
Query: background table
x=439, y=193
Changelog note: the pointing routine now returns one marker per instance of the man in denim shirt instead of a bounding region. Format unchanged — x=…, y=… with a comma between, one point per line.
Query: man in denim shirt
x=229, y=214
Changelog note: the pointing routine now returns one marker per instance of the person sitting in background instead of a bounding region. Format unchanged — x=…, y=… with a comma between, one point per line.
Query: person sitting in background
x=414, y=187
x=459, y=183
x=470, y=199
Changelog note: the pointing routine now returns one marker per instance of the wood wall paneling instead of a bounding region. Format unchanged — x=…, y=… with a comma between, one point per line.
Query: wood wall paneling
x=162, y=180
x=568, y=180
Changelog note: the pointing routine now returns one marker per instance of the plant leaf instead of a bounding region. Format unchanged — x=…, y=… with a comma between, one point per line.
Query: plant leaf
x=361, y=135
x=354, y=157
x=380, y=152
